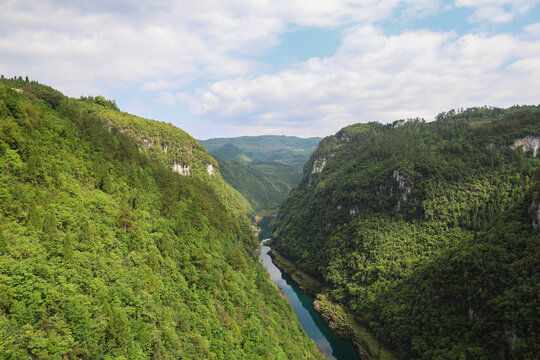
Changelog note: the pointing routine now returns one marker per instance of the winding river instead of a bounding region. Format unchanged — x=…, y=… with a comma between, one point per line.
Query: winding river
x=334, y=347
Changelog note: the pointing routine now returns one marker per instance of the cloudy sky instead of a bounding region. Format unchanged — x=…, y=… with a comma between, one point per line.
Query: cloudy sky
x=296, y=67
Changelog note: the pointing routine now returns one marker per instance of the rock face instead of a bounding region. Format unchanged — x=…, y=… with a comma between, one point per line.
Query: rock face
x=536, y=214
x=528, y=143
x=318, y=165
x=147, y=143
x=181, y=169
x=211, y=169
x=184, y=169
x=405, y=190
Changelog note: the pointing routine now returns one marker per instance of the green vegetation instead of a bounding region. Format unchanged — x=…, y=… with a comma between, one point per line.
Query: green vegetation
x=263, y=169
x=263, y=185
x=171, y=146
x=345, y=324
x=231, y=152
x=288, y=150
x=425, y=230
x=305, y=282
x=105, y=253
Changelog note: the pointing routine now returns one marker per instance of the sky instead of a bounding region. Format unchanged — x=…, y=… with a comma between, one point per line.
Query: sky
x=221, y=68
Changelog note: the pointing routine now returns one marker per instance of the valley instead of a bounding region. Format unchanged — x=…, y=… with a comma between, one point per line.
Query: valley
x=333, y=346
x=427, y=231
x=262, y=180
x=120, y=240
x=263, y=169
x=119, y=237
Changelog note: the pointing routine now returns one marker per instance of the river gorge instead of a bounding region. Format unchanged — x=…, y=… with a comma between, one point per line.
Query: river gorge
x=333, y=346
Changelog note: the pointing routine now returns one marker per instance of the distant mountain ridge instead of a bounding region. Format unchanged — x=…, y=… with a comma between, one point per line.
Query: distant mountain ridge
x=289, y=150
x=231, y=152
x=263, y=169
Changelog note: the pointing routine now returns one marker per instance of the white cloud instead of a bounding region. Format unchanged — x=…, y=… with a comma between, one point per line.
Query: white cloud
x=378, y=77
x=533, y=30
x=497, y=11
x=158, y=45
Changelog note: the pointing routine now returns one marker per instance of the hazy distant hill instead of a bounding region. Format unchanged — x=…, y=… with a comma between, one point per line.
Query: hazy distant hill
x=290, y=150
x=263, y=184
x=231, y=152
x=262, y=168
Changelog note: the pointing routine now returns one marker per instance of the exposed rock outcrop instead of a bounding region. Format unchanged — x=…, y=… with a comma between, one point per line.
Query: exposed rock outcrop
x=181, y=169
x=405, y=190
x=318, y=165
x=211, y=169
x=536, y=214
x=147, y=143
x=528, y=143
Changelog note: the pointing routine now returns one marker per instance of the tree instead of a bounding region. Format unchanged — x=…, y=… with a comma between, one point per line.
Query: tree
x=3, y=243
x=34, y=217
x=49, y=224
x=164, y=244
x=68, y=248
x=34, y=168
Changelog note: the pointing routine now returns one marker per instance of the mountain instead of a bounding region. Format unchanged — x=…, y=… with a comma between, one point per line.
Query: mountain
x=263, y=169
x=289, y=150
x=263, y=184
x=231, y=152
x=119, y=239
x=427, y=231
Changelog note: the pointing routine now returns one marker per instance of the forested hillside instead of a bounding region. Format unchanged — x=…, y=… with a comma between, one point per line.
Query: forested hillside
x=427, y=231
x=289, y=150
x=263, y=184
x=120, y=240
x=263, y=169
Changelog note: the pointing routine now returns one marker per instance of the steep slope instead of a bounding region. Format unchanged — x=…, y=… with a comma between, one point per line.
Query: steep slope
x=478, y=300
x=263, y=184
x=169, y=145
x=231, y=152
x=378, y=205
x=107, y=253
x=263, y=169
x=289, y=150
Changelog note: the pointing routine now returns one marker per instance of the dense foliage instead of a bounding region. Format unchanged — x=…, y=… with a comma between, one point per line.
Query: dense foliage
x=263, y=184
x=231, y=152
x=289, y=150
x=478, y=300
x=106, y=253
x=263, y=169
x=425, y=231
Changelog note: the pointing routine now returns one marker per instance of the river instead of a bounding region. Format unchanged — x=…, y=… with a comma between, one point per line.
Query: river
x=334, y=347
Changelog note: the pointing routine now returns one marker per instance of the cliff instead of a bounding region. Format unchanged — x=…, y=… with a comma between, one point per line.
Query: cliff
x=380, y=204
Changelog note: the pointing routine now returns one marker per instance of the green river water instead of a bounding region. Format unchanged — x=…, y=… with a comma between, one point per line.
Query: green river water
x=334, y=347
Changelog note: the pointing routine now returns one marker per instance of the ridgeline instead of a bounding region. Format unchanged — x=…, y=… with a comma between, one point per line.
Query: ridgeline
x=427, y=231
x=263, y=169
x=120, y=240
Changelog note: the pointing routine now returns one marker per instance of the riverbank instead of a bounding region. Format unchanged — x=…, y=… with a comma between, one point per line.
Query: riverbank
x=340, y=319
x=307, y=283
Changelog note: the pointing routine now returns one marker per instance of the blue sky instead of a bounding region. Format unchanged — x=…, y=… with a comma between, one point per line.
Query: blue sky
x=304, y=68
